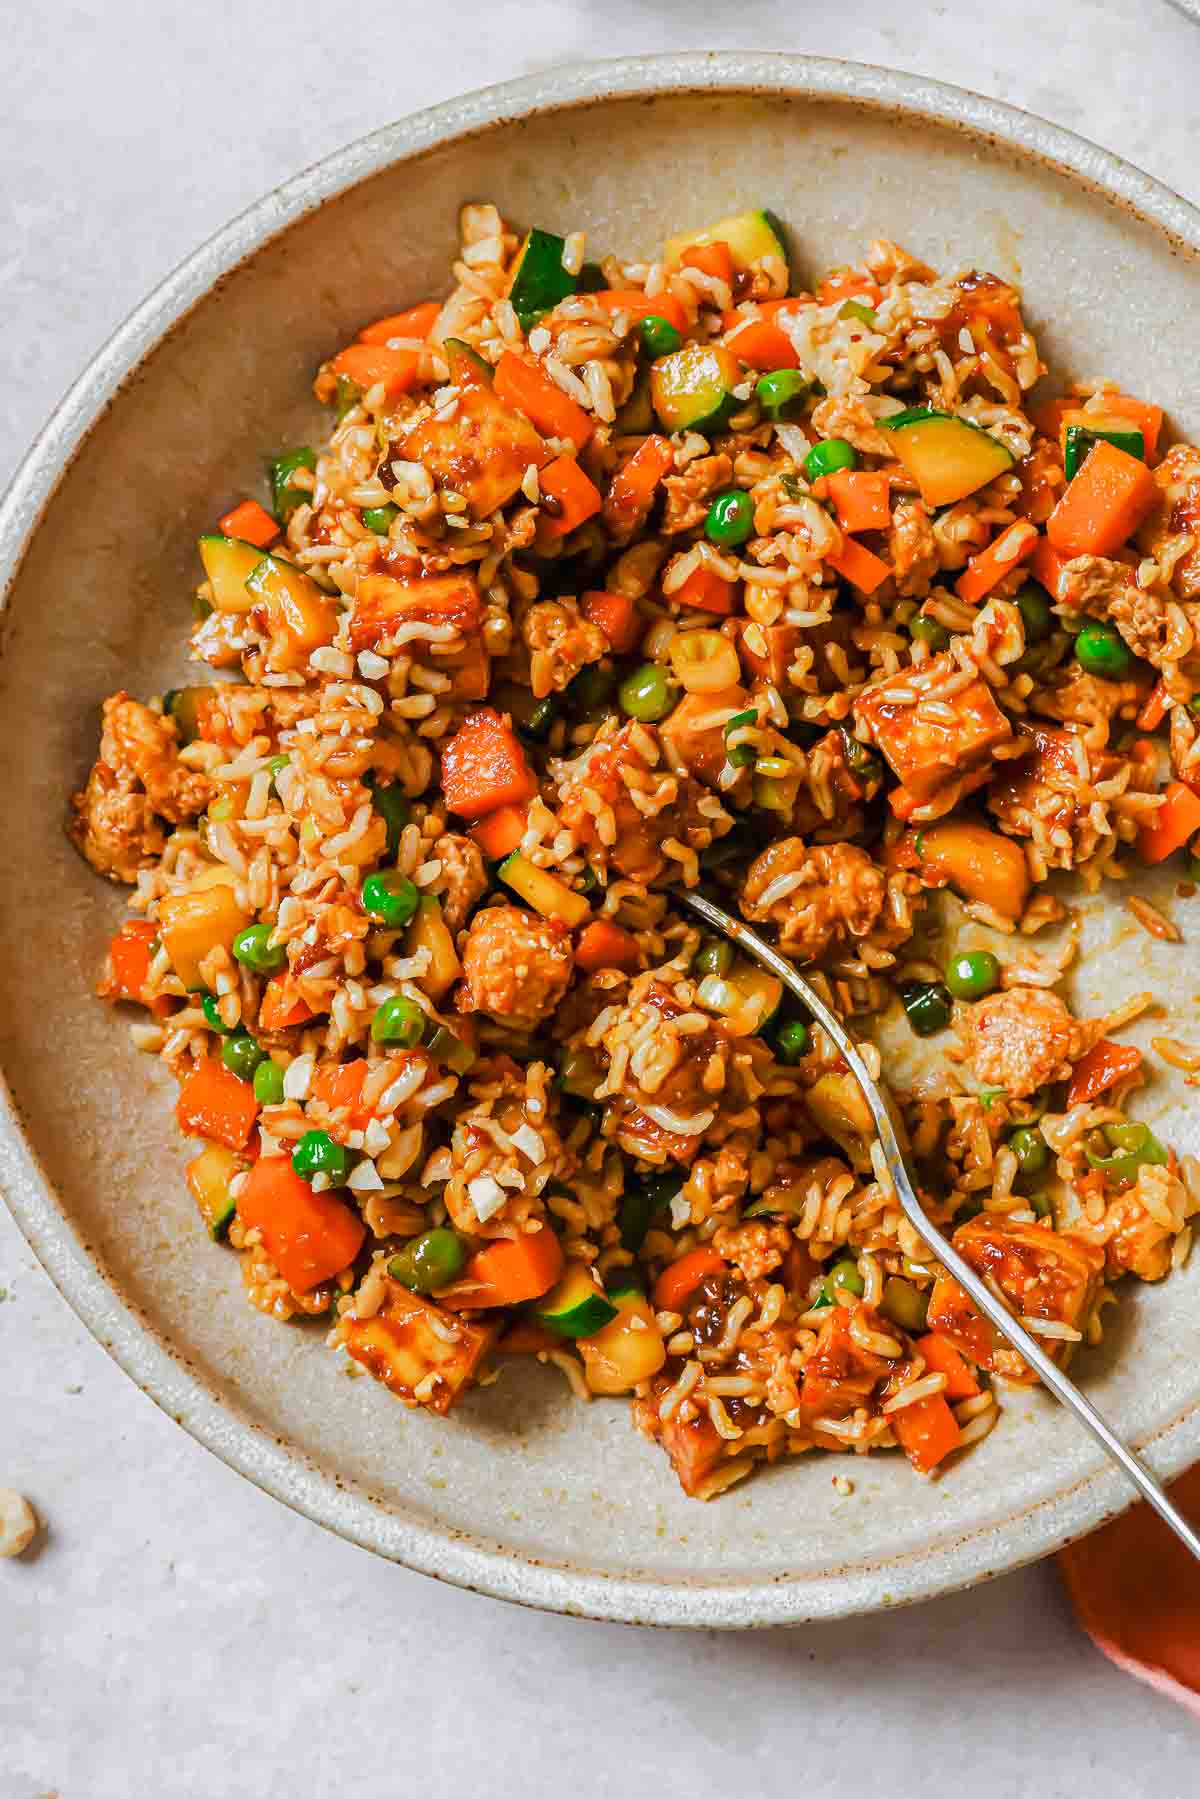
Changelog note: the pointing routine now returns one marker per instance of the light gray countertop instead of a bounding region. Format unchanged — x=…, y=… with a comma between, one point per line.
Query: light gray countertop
x=178, y=1633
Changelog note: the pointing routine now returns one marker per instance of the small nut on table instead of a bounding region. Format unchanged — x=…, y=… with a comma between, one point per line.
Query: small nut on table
x=18, y=1522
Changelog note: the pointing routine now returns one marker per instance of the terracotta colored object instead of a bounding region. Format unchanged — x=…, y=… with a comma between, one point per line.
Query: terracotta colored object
x=1136, y=1591
x=523, y=1493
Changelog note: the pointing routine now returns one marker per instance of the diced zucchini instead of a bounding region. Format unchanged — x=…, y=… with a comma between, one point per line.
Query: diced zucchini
x=761, y=995
x=428, y=930
x=837, y=1107
x=285, y=496
x=193, y=924
x=627, y=1350
x=692, y=388
x=1079, y=438
x=592, y=279
x=465, y=362
x=301, y=618
x=539, y=280
x=445, y=1047
x=946, y=456
x=579, y=1074
x=208, y=1179
x=229, y=563
x=183, y=705
x=576, y=1307
x=543, y=891
x=750, y=236
x=623, y=1283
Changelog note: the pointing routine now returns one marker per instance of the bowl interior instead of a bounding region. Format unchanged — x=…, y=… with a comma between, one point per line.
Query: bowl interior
x=519, y=1475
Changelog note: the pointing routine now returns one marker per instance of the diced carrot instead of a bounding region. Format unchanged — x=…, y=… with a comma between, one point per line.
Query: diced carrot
x=714, y=259
x=1103, y=505
x=1136, y=1592
x=281, y=1005
x=309, y=1236
x=527, y=1338
x=338, y=1085
x=632, y=489
x=990, y=566
x=1141, y=413
x=214, y=1103
x=862, y=498
x=706, y=591
x=501, y=831
x=641, y=306
x=1048, y=416
x=577, y=498
x=941, y=1357
x=510, y=1271
x=524, y=387
x=757, y=338
x=681, y=1278
x=617, y=616
x=251, y=522
x=370, y=364
x=484, y=766
x=1046, y=565
x=927, y=1432
x=1155, y=708
x=605, y=945
x=859, y=566
x=1176, y=821
x=416, y=321
x=1105, y=1064
x=848, y=284
x=129, y=958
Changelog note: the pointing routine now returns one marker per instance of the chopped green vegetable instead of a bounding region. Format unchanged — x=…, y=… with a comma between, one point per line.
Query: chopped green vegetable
x=539, y=280
x=268, y=1083
x=1037, y=615
x=241, y=1055
x=1101, y=650
x=1121, y=1149
x=659, y=336
x=579, y=1073
x=287, y=497
x=538, y=725
x=782, y=393
x=904, y=1304
x=591, y=689
x=208, y=1005
x=647, y=694
x=928, y=631
x=1030, y=1149
x=692, y=389
x=393, y=807
x=713, y=957
x=858, y=309
x=845, y=1275
x=453, y=1051
x=379, y=518
x=1081, y=438
x=792, y=1041
x=346, y=395
x=928, y=1005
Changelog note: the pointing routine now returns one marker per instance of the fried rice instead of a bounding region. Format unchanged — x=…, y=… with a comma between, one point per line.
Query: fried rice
x=611, y=578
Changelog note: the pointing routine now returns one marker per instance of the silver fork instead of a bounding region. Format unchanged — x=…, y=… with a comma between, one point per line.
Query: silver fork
x=1051, y=1375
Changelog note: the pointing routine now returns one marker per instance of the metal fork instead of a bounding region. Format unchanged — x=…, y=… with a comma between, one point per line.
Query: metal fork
x=1051, y=1375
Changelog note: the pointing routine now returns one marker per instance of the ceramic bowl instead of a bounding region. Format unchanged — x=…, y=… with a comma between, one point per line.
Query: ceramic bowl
x=522, y=1494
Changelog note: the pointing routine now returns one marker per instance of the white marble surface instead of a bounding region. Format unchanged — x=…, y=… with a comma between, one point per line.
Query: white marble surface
x=178, y=1633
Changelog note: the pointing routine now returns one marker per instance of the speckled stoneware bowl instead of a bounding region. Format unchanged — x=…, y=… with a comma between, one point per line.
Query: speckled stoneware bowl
x=521, y=1493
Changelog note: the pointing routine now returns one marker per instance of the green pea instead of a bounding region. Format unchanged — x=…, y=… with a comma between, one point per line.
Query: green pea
x=591, y=688
x=398, y=1020
x=792, y=1041
x=254, y=949
x=904, y=1304
x=1037, y=614
x=1101, y=650
x=973, y=974
x=928, y=631
x=928, y=1005
x=1029, y=1147
x=393, y=807
x=845, y=1275
x=730, y=518
x=646, y=694
x=831, y=454
x=713, y=957
x=317, y=1153
x=538, y=725
x=390, y=898
x=268, y=1083
x=429, y=1261
x=241, y=1055
x=659, y=336
x=782, y=393
x=379, y=518
x=208, y=1005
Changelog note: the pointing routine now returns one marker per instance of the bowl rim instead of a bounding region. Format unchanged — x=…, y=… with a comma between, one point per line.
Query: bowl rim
x=111, y=1317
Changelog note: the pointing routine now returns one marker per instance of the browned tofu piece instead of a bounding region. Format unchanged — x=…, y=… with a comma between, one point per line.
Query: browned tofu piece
x=1044, y=1275
x=693, y=1444
x=925, y=749
x=382, y=604
x=481, y=450
x=425, y=1354
x=702, y=752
